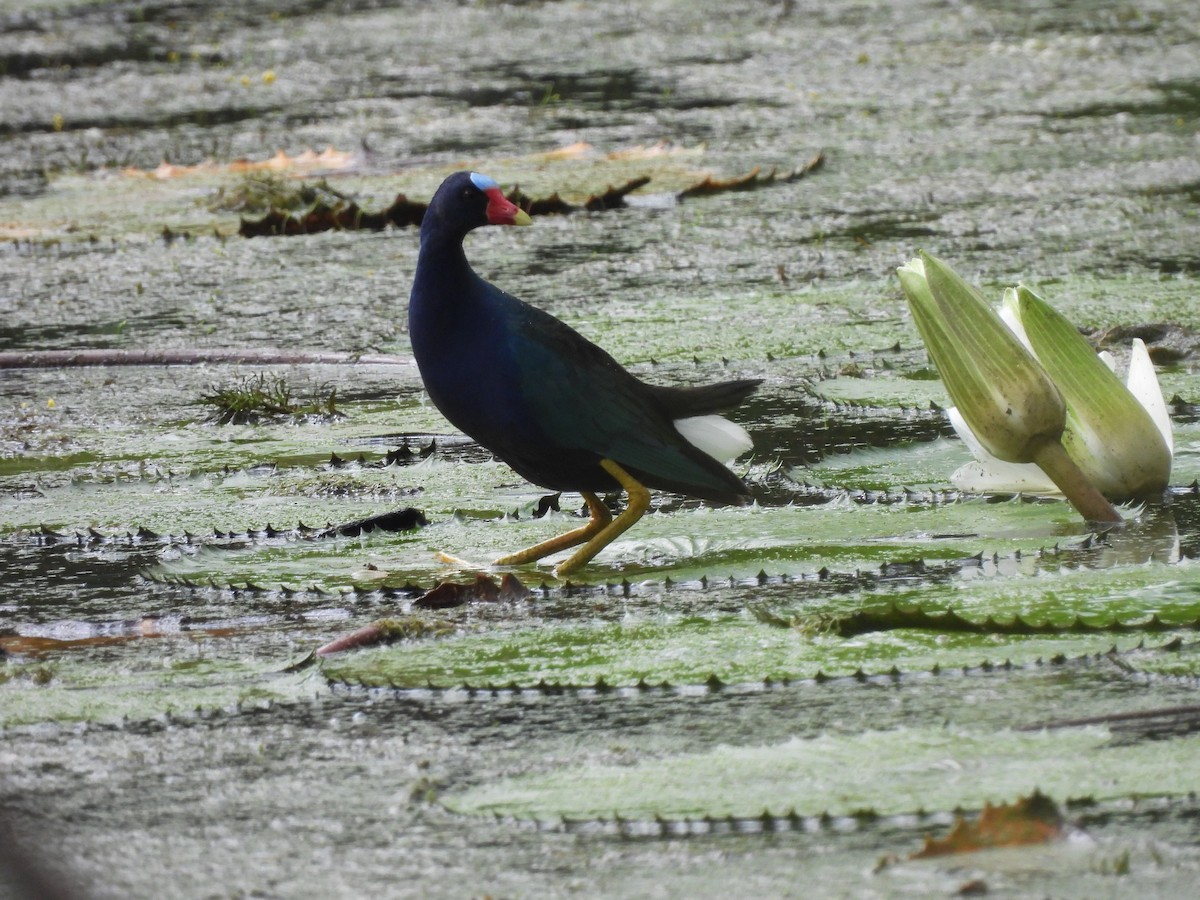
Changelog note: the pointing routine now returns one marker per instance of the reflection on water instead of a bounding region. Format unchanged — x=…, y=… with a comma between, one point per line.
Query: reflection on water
x=1152, y=537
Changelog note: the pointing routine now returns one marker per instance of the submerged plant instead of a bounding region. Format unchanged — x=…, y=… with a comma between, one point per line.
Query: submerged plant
x=256, y=397
x=1033, y=401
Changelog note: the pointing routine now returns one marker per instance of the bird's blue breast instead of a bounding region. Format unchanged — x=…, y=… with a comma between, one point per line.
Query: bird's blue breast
x=463, y=338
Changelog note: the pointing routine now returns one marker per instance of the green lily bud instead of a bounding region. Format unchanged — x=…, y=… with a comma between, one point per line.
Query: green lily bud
x=1109, y=434
x=1005, y=396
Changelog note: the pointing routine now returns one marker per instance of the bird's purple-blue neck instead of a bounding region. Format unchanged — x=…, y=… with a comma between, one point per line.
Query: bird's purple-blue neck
x=447, y=294
x=441, y=245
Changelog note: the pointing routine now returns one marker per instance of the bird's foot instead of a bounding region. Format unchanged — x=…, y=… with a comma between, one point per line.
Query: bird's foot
x=600, y=530
x=599, y=517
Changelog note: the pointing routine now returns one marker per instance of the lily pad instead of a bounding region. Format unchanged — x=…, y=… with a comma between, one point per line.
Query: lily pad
x=910, y=771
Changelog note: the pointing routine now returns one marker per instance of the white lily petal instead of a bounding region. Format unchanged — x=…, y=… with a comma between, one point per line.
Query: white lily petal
x=1142, y=382
x=1109, y=360
x=997, y=476
x=986, y=473
x=965, y=434
x=1010, y=314
x=916, y=266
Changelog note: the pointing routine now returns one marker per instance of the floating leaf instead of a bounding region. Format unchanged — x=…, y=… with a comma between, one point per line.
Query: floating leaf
x=484, y=588
x=345, y=214
x=1035, y=819
x=37, y=641
x=752, y=180
x=864, y=775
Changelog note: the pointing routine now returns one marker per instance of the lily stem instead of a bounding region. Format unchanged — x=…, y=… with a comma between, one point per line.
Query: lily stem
x=1052, y=459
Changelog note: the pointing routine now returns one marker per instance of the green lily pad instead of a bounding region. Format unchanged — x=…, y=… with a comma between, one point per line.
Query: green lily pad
x=189, y=675
x=1082, y=600
x=888, y=773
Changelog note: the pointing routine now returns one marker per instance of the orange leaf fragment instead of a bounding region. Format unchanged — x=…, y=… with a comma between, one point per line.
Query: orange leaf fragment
x=309, y=160
x=1035, y=819
x=578, y=150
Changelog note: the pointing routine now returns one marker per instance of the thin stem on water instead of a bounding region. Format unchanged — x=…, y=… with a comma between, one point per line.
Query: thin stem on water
x=1052, y=458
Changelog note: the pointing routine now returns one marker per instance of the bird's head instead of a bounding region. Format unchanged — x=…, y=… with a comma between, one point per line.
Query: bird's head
x=468, y=200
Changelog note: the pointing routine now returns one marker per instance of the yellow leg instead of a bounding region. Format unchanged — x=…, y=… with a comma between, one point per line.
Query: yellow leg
x=600, y=517
x=638, y=503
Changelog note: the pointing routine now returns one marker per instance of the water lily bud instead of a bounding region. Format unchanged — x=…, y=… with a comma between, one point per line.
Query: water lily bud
x=1113, y=439
x=1003, y=393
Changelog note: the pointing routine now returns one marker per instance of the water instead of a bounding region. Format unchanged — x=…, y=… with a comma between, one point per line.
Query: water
x=170, y=754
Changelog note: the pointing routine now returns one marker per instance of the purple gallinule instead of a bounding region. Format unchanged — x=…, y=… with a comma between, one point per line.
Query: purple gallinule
x=547, y=401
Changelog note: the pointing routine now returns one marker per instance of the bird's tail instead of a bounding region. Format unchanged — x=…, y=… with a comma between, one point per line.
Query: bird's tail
x=684, y=402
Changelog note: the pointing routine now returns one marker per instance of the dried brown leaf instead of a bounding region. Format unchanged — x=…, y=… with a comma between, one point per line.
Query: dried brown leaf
x=1035, y=819
x=482, y=589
